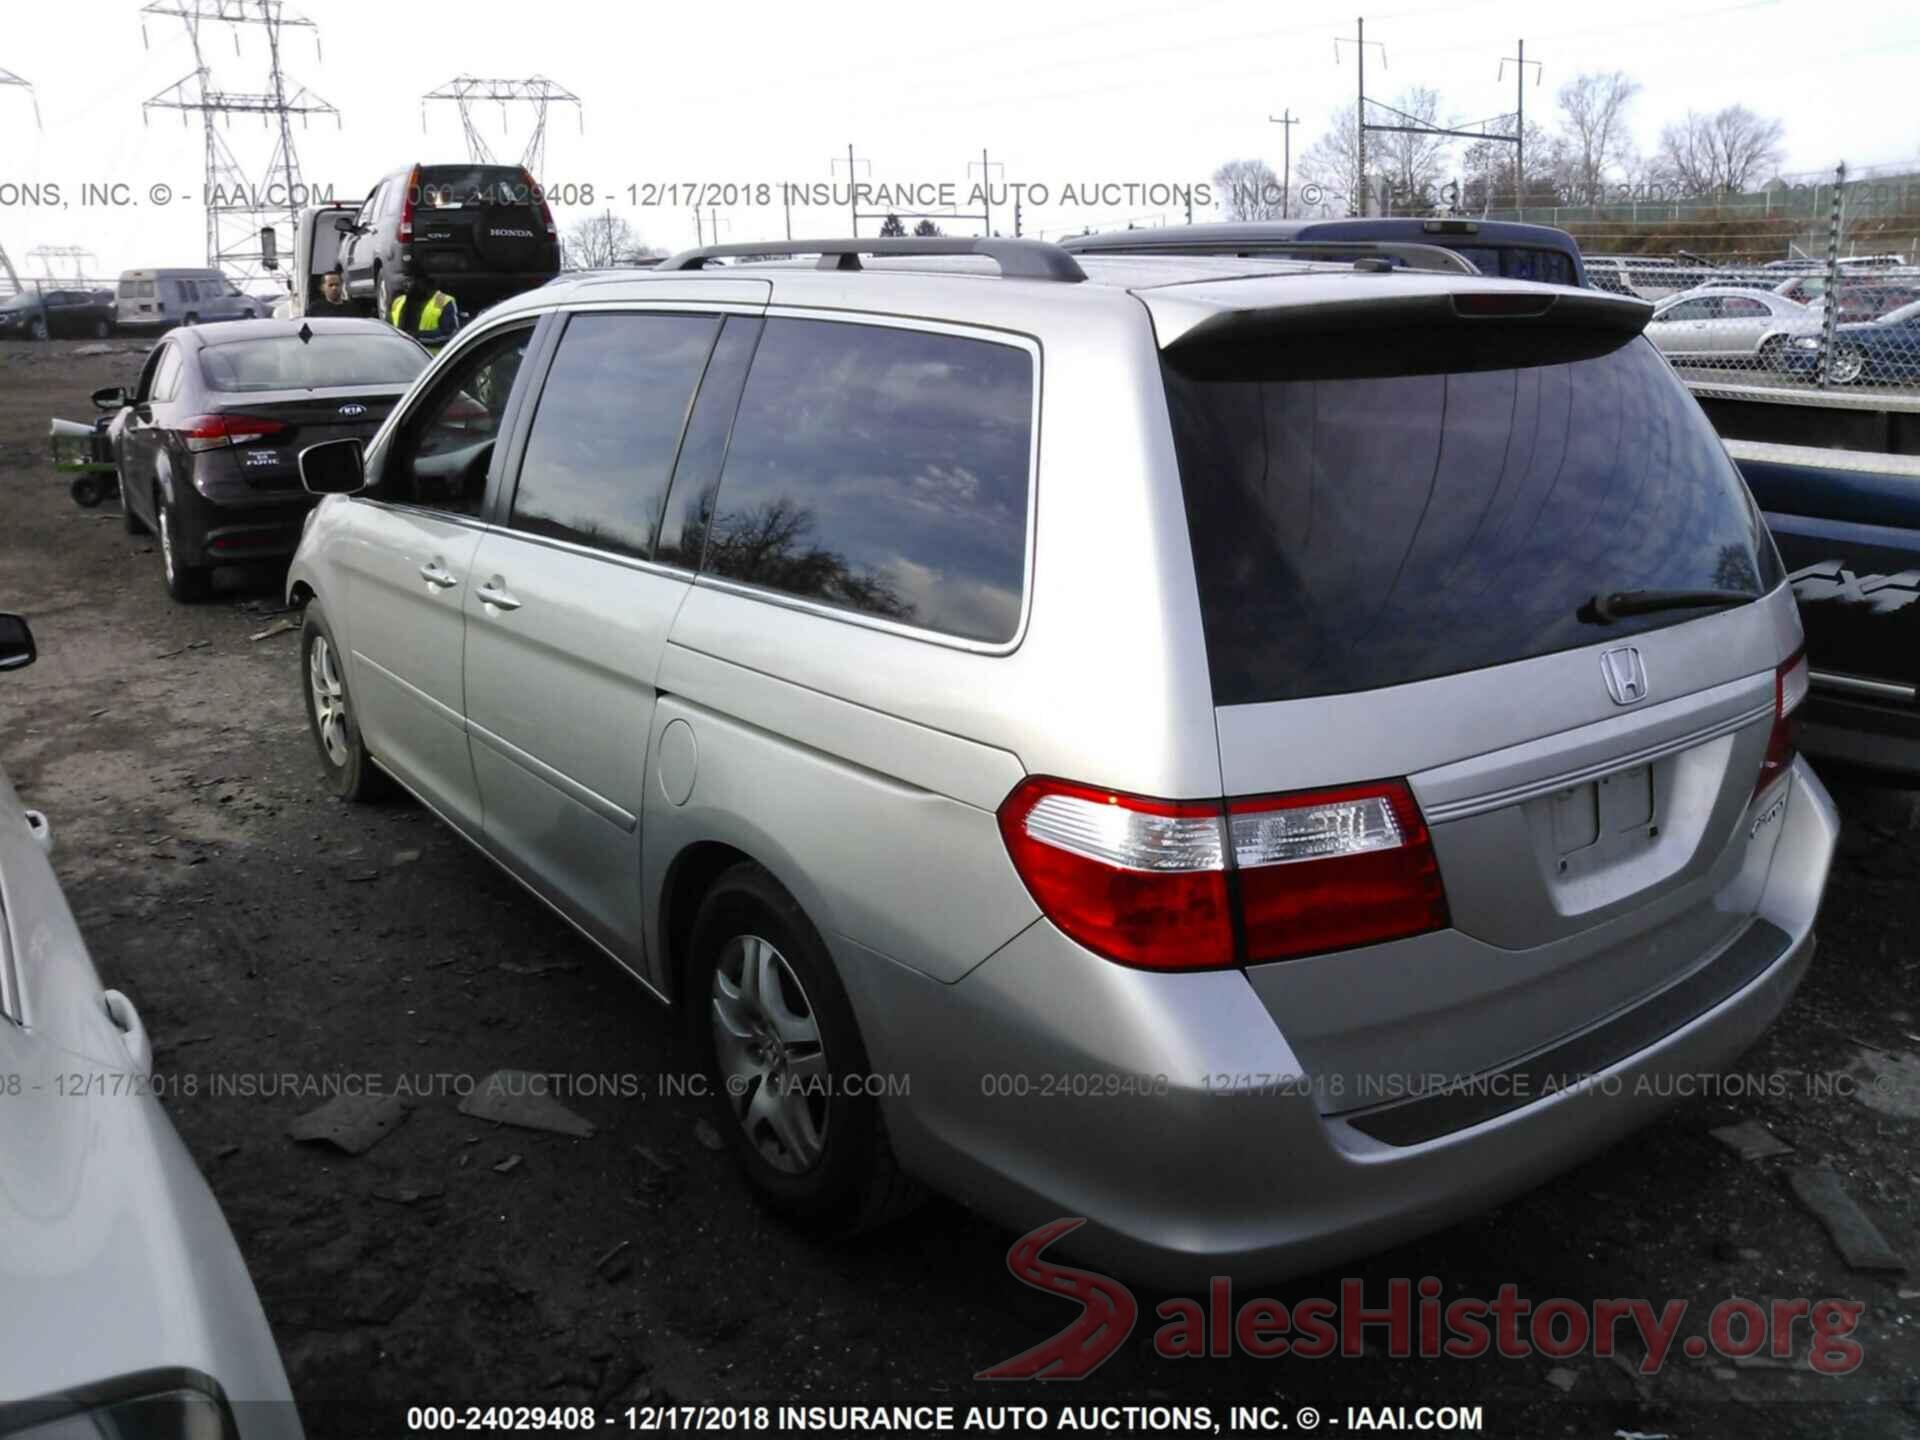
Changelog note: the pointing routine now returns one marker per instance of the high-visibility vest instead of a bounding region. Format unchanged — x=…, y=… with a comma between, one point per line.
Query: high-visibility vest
x=427, y=321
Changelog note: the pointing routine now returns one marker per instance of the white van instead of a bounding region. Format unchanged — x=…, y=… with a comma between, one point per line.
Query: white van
x=161, y=299
x=316, y=250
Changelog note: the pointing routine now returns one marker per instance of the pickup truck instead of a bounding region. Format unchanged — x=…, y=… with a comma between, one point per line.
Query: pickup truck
x=1848, y=526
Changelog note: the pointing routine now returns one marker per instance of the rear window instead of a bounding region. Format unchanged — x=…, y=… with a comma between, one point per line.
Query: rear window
x=136, y=289
x=883, y=471
x=285, y=362
x=448, y=187
x=1520, y=262
x=1355, y=533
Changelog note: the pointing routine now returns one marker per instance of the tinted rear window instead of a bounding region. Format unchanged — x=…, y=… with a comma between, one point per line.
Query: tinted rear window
x=136, y=289
x=454, y=186
x=1521, y=262
x=884, y=471
x=1356, y=533
x=285, y=362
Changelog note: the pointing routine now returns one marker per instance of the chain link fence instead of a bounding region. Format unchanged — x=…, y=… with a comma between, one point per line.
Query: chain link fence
x=1811, y=285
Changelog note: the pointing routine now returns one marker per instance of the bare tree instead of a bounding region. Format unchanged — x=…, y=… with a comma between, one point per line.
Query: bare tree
x=1594, y=129
x=1413, y=164
x=1249, y=190
x=1332, y=161
x=601, y=241
x=1488, y=171
x=1727, y=152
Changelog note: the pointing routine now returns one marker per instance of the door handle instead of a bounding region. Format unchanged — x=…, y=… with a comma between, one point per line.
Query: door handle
x=496, y=594
x=433, y=574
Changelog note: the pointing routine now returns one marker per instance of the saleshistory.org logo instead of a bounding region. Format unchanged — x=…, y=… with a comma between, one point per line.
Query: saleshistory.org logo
x=1414, y=1321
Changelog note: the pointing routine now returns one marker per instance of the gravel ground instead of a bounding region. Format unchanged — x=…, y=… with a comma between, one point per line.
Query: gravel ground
x=266, y=929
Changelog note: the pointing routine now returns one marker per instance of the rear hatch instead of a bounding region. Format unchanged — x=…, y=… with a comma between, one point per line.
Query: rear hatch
x=1414, y=505
x=483, y=218
x=273, y=396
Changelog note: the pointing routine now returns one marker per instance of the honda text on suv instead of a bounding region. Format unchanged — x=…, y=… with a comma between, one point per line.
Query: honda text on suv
x=479, y=232
x=1210, y=741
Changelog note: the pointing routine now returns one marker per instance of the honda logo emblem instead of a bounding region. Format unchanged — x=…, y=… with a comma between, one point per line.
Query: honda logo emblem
x=1626, y=675
x=353, y=409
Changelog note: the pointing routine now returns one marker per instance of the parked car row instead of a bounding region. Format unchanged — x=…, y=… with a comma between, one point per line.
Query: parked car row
x=57, y=314
x=1769, y=331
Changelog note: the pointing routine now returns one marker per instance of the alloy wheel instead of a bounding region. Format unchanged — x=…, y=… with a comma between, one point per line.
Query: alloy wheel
x=767, y=1037
x=329, y=701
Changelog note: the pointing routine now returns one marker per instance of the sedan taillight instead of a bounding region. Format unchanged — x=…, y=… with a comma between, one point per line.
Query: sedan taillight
x=1165, y=885
x=1790, y=684
x=213, y=432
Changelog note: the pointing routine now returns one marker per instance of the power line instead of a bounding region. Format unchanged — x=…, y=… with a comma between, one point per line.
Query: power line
x=466, y=91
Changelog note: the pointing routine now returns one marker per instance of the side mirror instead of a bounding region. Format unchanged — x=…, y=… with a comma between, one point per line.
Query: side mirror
x=16, y=642
x=111, y=398
x=269, y=248
x=333, y=467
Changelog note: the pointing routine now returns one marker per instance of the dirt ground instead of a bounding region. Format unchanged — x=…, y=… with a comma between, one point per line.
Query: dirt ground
x=264, y=928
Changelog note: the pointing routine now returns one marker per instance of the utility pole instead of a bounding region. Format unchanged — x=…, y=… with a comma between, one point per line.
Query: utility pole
x=1520, y=63
x=853, y=191
x=1360, y=43
x=1287, y=121
x=986, y=189
x=536, y=91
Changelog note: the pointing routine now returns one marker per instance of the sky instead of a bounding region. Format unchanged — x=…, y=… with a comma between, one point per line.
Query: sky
x=1112, y=102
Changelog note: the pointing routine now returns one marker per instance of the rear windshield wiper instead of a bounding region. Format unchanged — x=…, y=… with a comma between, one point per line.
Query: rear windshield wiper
x=1604, y=609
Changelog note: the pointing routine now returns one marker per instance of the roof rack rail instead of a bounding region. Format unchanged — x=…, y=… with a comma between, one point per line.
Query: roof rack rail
x=1411, y=254
x=1018, y=259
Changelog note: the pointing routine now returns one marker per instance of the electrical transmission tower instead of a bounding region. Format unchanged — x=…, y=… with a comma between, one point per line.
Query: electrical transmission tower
x=84, y=260
x=7, y=77
x=236, y=208
x=467, y=91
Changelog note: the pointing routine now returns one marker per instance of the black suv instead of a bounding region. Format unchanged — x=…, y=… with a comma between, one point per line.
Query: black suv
x=479, y=232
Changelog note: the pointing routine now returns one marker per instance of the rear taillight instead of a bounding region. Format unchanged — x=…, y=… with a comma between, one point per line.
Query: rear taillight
x=533, y=188
x=212, y=432
x=1790, y=683
x=1156, y=883
x=407, y=203
x=1330, y=869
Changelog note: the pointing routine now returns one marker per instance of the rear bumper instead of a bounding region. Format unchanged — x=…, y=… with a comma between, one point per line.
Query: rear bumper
x=226, y=528
x=1171, y=1113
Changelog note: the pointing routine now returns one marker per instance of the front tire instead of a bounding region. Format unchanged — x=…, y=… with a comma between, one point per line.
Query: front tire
x=382, y=300
x=188, y=584
x=1773, y=354
x=1847, y=366
x=350, y=770
x=38, y=329
x=102, y=329
x=774, y=1031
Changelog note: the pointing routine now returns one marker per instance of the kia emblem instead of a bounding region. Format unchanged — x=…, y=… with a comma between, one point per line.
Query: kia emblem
x=1626, y=675
x=353, y=409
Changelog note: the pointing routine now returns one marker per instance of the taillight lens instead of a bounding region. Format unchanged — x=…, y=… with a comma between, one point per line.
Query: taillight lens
x=533, y=188
x=406, y=205
x=1147, y=882
x=212, y=432
x=1140, y=881
x=1330, y=869
x=1790, y=685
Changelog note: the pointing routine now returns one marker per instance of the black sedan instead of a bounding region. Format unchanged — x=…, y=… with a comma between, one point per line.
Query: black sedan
x=207, y=445
x=50, y=313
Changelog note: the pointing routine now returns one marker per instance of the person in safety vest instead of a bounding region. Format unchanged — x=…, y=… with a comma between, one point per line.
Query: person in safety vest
x=428, y=314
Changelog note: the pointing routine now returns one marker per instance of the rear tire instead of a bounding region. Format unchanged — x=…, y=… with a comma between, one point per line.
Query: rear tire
x=1773, y=354
x=351, y=772
x=188, y=584
x=765, y=1008
x=38, y=329
x=382, y=301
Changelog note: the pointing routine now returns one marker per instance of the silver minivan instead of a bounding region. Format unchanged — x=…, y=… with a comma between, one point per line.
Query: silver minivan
x=1262, y=757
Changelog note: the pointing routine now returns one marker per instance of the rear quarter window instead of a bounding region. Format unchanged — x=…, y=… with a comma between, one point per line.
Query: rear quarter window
x=1350, y=534
x=884, y=471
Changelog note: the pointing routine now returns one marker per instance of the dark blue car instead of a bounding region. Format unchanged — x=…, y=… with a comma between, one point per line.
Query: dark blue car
x=1883, y=349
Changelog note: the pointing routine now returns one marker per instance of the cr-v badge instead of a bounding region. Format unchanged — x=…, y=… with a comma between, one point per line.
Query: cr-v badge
x=1626, y=675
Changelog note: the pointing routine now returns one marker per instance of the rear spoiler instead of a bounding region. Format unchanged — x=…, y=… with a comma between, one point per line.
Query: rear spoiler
x=1397, y=332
